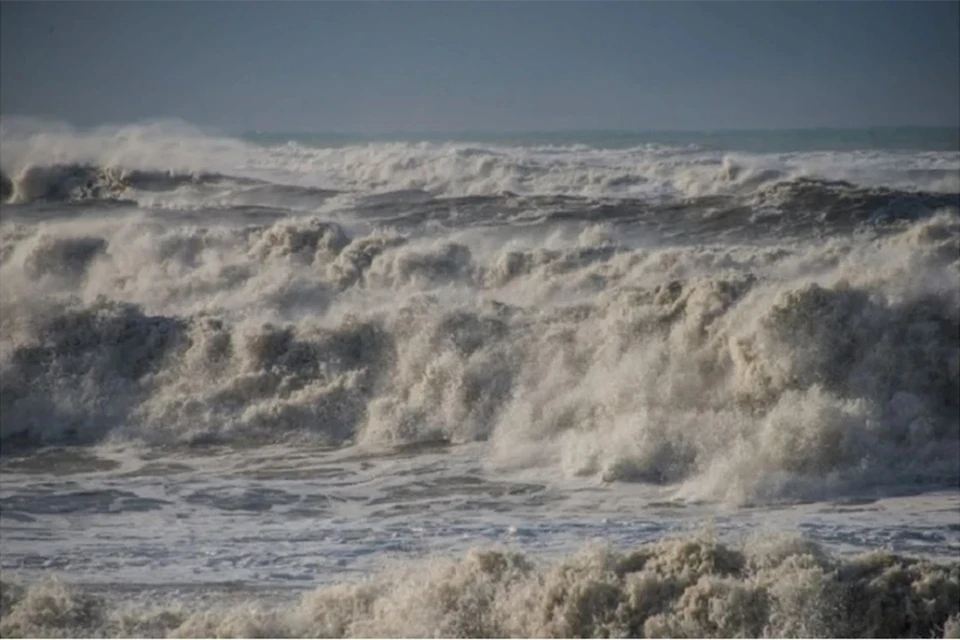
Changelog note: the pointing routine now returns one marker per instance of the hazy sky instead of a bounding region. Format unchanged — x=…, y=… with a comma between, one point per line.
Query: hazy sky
x=483, y=66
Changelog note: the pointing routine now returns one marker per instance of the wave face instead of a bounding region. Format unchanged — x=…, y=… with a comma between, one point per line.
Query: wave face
x=690, y=587
x=735, y=329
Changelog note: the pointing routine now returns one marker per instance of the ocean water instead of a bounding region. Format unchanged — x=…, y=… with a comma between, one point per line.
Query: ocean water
x=592, y=384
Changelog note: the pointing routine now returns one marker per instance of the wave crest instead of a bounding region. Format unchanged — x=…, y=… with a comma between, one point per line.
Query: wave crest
x=728, y=371
x=76, y=182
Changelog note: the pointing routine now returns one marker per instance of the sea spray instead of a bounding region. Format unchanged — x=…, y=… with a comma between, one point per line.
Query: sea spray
x=740, y=372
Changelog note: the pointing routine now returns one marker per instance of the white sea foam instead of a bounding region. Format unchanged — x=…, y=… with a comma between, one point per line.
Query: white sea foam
x=740, y=372
x=272, y=364
x=773, y=587
x=457, y=169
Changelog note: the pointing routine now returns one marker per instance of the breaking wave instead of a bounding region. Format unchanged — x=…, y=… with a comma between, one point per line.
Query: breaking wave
x=82, y=182
x=694, y=587
x=794, y=206
x=97, y=185
x=736, y=327
x=60, y=162
x=730, y=371
x=208, y=328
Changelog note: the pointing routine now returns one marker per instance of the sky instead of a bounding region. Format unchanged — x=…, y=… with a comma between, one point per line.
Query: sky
x=367, y=67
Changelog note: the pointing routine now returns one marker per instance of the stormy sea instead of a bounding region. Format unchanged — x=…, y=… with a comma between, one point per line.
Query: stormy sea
x=597, y=384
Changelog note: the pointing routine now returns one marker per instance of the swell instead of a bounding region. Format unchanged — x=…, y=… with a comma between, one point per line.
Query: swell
x=649, y=172
x=737, y=372
x=797, y=207
x=94, y=184
x=781, y=205
x=693, y=587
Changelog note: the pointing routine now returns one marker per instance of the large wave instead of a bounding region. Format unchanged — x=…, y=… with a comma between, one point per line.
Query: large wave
x=733, y=371
x=694, y=587
x=649, y=172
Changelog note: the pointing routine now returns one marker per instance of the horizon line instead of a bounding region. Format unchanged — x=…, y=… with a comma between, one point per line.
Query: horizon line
x=610, y=131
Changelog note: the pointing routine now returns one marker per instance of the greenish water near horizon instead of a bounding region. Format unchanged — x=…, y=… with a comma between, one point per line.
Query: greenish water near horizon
x=754, y=141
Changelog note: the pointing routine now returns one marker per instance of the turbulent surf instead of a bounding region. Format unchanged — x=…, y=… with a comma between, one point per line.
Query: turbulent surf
x=443, y=345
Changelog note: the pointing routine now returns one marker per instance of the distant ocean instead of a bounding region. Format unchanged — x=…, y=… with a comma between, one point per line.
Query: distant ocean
x=545, y=384
x=769, y=141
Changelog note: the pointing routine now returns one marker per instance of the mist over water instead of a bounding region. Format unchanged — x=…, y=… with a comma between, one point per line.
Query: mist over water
x=515, y=338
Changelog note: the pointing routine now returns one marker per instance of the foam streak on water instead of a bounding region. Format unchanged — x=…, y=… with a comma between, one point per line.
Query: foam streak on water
x=277, y=366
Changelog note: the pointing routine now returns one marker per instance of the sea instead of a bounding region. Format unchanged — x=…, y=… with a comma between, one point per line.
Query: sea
x=589, y=384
